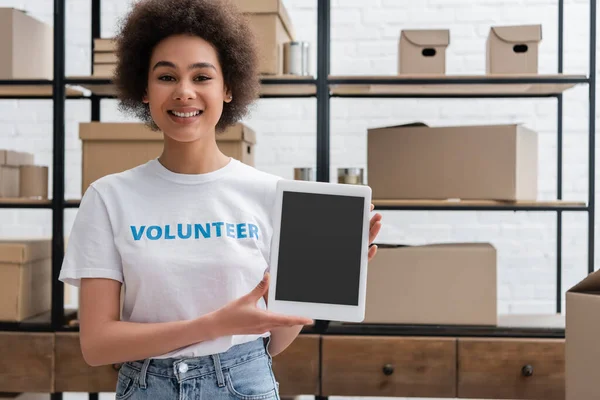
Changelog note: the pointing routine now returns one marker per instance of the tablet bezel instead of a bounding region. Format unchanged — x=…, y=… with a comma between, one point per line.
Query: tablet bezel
x=322, y=311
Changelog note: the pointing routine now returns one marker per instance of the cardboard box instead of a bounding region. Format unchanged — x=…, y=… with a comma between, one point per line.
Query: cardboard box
x=109, y=148
x=513, y=49
x=273, y=27
x=26, y=46
x=268, y=7
x=25, y=278
x=33, y=181
x=581, y=339
x=423, y=51
x=9, y=173
x=271, y=36
x=495, y=162
x=448, y=284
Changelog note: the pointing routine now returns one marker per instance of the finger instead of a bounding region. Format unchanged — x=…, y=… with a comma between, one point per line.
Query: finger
x=374, y=232
x=375, y=218
x=285, y=320
x=372, y=251
x=372, y=207
x=262, y=287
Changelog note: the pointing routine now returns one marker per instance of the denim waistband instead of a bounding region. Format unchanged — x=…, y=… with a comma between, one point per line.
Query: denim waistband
x=185, y=368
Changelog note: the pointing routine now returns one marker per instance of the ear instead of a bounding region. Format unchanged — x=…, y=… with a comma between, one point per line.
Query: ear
x=145, y=97
x=228, y=97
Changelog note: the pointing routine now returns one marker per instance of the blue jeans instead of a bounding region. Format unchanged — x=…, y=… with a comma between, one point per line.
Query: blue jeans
x=243, y=372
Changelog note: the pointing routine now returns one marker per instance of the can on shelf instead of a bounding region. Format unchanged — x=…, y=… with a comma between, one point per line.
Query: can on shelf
x=352, y=176
x=296, y=58
x=304, y=174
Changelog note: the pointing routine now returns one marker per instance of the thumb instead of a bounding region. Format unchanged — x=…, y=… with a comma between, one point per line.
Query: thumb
x=262, y=287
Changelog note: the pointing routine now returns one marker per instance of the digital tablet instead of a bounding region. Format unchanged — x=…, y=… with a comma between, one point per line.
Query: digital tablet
x=319, y=250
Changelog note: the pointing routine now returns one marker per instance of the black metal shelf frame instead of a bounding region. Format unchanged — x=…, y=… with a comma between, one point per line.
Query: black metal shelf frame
x=323, y=97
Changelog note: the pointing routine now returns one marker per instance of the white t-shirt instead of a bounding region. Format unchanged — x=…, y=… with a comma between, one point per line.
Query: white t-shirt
x=183, y=245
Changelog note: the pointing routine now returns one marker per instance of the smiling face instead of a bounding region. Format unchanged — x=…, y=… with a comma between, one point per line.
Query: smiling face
x=186, y=90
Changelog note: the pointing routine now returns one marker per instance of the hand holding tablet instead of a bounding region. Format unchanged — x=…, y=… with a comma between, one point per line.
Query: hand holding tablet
x=319, y=250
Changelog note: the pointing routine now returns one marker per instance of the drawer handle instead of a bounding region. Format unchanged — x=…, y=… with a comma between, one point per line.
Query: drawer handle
x=527, y=370
x=388, y=369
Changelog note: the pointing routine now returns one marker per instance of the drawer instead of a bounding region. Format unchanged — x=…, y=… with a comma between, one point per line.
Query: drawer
x=297, y=367
x=511, y=368
x=26, y=362
x=72, y=374
x=388, y=366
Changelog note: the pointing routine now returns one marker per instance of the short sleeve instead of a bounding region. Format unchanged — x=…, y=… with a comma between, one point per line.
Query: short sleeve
x=91, y=250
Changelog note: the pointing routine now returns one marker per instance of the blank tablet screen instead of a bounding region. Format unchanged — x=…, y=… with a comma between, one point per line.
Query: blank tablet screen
x=320, y=248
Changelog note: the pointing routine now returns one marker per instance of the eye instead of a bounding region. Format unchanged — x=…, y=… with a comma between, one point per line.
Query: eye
x=202, y=78
x=166, y=78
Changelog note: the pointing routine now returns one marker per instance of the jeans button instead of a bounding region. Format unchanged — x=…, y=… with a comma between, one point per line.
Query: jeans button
x=183, y=368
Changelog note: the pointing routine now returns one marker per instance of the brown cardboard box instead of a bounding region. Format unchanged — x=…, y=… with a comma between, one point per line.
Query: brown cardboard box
x=422, y=51
x=582, y=332
x=450, y=284
x=25, y=278
x=271, y=36
x=109, y=148
x=26, y=46
x=495, y=162
x=273, y=27
x=9, y=173
x=33, y=181
x=268, y=7
x=513, y=49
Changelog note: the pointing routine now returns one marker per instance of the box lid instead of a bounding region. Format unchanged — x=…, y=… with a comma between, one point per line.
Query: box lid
x=590, y=283
x=117, y=131
x=239, y=132
x=427, y=37
x=519, y=33
x=19, y=251
x=268, y=7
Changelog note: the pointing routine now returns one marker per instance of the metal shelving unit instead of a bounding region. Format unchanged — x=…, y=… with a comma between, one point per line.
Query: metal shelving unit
x=325, y=88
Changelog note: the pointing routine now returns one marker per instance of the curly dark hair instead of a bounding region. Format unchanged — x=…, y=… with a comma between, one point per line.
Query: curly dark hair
x=216, y=21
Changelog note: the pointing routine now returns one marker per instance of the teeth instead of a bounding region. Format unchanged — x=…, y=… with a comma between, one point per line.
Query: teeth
x=186, y=115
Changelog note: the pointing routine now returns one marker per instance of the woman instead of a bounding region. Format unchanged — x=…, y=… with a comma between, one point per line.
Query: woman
x=187, y=234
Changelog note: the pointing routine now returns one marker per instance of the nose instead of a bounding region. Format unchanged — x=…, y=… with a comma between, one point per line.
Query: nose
x=184, y=91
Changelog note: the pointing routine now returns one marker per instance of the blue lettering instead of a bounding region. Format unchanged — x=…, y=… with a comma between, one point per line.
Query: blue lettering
x=231, y=231
x=158, y=230
x=168, y=235
x=253, y=230
x=137, y=235
x=241, y=231
x=218, y=225
x=180, y=231
x=200, y=229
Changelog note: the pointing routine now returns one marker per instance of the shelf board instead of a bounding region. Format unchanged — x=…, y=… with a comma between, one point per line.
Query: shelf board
x=16, y=89
x=479, y=205
x=453, y=85
x=272, y=85
x=511, y=325
x=38, y=323
x=24, y=203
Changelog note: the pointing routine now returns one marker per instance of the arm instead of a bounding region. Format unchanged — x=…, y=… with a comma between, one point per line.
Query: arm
x=107, y=340
x=281, y=338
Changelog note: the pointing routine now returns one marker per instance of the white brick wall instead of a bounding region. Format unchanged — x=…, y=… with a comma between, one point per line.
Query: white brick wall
x=364, y=41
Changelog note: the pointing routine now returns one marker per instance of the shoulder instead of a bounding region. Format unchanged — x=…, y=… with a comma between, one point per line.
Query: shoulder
x=121, y=181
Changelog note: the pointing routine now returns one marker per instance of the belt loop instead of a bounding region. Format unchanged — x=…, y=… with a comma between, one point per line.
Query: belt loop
x=143, y=373
x=218, y=370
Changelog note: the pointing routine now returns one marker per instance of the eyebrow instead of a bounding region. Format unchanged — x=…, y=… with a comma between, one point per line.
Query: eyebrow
x=191, y=66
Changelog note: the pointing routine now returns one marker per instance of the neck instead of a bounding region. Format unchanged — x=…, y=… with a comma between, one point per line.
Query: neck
x=197, y=157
